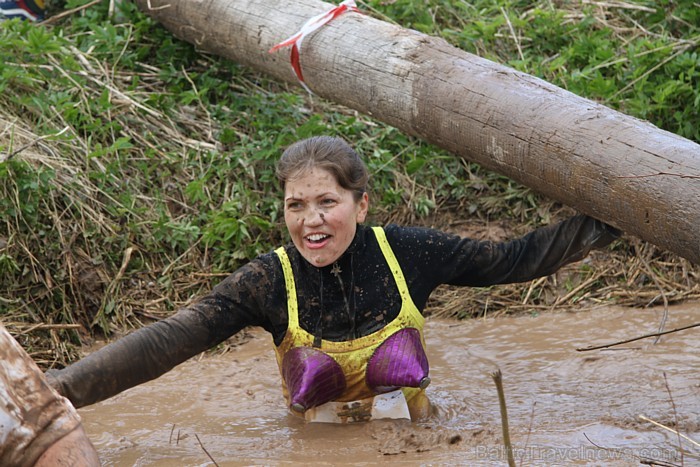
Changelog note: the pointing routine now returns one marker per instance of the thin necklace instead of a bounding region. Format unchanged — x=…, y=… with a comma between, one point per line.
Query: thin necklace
x=335, y=270
x=318, y=332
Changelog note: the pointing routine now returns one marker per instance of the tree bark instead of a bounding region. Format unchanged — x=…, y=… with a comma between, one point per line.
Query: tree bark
x=624, y=171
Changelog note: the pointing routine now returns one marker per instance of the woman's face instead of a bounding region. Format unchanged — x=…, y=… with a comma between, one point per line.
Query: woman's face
x=321, y=216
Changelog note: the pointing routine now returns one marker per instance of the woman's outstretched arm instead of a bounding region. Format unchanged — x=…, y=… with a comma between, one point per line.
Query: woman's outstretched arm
x=153, y=350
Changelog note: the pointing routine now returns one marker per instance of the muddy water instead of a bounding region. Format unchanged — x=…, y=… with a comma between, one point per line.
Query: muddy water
x=564, y=407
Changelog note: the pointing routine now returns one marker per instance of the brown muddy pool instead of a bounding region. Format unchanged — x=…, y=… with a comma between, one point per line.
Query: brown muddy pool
x=565, y=407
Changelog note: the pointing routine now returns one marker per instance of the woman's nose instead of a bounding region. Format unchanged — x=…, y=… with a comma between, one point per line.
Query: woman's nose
x=315, y=217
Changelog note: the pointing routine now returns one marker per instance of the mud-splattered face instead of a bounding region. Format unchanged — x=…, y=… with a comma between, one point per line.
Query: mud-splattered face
x=321, y=216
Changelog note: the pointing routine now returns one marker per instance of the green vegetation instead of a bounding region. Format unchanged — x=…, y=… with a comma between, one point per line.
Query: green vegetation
x=135, y=171
x=639, y=57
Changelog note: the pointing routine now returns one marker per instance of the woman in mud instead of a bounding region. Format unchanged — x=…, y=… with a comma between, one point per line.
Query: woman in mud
x=342, y=302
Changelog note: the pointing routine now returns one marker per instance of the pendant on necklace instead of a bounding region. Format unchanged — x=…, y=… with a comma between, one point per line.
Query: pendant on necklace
x=335, y=270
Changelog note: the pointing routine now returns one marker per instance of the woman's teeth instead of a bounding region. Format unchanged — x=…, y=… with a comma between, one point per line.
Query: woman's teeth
x=316, y=237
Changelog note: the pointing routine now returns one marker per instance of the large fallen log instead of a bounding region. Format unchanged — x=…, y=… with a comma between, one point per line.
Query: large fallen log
x=616, y=168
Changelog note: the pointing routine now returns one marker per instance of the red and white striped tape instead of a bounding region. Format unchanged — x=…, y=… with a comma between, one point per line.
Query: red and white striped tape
x=310, y=26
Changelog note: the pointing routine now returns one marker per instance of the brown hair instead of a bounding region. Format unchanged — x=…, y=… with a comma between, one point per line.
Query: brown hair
x=329, y=153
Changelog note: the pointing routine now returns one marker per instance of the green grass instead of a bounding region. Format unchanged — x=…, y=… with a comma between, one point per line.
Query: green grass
x=640, y=57
x=147, y=144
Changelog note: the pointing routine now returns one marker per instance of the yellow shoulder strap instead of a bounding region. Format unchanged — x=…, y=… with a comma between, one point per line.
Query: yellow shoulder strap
x=393, y=263
x=292, y=307
x=292, y=304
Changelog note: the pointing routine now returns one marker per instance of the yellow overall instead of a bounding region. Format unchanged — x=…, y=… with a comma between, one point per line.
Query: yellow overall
x=353, y=355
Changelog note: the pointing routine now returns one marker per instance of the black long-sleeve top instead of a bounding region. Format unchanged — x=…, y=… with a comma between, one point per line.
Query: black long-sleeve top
x=351, y=298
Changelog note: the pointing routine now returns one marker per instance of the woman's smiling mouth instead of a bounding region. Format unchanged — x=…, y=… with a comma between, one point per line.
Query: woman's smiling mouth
x=317, y=239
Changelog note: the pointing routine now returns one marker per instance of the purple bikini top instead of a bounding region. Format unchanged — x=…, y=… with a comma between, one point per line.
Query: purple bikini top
x=314, y=377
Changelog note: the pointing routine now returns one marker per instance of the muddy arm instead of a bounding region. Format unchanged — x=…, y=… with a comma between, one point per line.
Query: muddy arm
x=468, y=262
x=543, y=251
x=155, y=349
x=134, y=359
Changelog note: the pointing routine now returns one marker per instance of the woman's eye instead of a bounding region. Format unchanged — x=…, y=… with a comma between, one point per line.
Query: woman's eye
x=294, y=206
x=328, y=202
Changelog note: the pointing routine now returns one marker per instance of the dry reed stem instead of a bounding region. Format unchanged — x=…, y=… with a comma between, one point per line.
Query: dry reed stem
x=205, y=450
x=675, y=432
x=498, y=380
x=626, y=453
x=633, y=339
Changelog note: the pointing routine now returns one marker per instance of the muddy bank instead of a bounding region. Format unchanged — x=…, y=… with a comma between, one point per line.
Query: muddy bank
x=565, y=407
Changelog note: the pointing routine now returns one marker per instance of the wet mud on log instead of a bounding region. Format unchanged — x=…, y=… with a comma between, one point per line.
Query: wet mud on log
x=565, y=407
x=619, y=169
